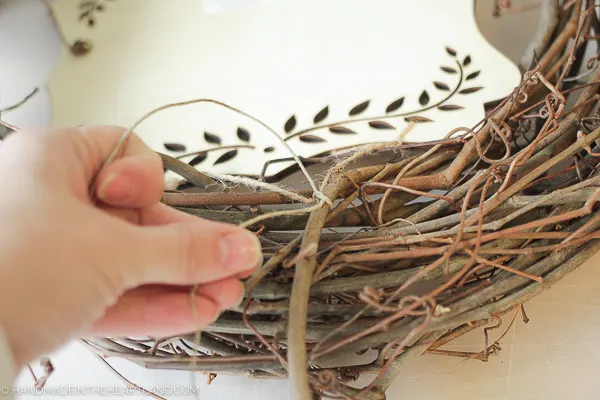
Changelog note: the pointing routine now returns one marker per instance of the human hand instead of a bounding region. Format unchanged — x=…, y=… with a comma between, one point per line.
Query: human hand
x=126, y=267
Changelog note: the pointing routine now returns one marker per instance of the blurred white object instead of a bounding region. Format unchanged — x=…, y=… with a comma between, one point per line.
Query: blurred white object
x=30, y=48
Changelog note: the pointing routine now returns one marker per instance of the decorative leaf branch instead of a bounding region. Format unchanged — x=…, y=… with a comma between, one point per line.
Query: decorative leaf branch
x=338, y=128
x=392, y=109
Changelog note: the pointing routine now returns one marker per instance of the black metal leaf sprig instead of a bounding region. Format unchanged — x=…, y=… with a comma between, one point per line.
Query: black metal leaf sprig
x=393, y=109
x=355, y=114
x=229, y=152
x=88, y=10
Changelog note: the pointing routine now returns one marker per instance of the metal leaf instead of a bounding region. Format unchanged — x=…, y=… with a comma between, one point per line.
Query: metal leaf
x=359, y=108
x=467, y=61
x=198, y=159
x=226, y=157
x=449, y=70
x=341, y=130
x=243, y=134
x=178, y=147
x=321, y=115
x=424, y=98
x=311, y=139
x=212, y=138
x=470, y=90
x=441, y=86
x=451, y=51
x=290, y=124
x=473, y=75
x=450, y=107
x=269, y=149
x=380, y=125
x=417, y=119
x=394, y=105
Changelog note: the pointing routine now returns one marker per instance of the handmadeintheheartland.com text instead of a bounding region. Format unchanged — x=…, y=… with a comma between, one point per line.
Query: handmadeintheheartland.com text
x=95, y=390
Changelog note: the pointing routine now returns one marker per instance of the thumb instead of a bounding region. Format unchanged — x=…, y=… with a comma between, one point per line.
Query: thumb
x=187, y=253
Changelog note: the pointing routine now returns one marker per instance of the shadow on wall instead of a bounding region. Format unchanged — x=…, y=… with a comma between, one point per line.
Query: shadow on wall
x=510, y=33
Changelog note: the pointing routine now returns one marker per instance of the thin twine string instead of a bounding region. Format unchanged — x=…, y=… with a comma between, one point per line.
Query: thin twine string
x=360, y=152
x=365, y=151
x=253, y=183
x=123, y=141
x=282, y=213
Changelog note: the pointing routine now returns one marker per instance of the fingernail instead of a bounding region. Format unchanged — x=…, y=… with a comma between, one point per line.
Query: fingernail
x=115, y=188
x=240, y=251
